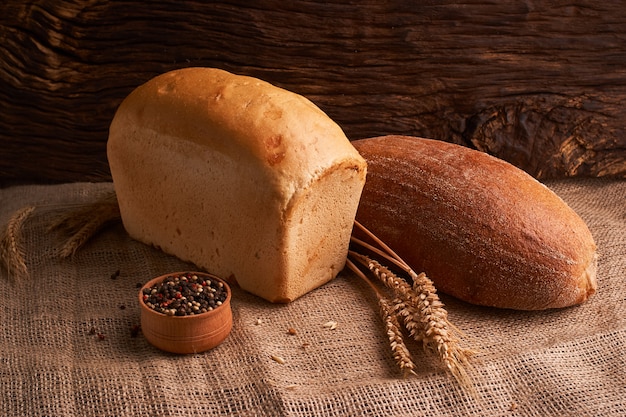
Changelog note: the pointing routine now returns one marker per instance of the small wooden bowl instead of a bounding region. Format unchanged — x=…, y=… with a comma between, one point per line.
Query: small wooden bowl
x=186, y=334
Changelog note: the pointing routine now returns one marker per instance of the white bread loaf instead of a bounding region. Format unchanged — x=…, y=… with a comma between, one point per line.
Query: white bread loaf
x=246, y=180
x=483, y=230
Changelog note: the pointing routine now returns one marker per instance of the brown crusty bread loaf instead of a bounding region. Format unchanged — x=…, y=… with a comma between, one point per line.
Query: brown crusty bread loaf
x=246, y=180
x=483, y=230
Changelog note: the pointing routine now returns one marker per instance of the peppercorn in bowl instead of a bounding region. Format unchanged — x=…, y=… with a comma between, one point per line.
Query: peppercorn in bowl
x=186, y=312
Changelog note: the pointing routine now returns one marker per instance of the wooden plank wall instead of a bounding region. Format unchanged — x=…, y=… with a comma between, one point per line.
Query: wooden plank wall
x=541, y=84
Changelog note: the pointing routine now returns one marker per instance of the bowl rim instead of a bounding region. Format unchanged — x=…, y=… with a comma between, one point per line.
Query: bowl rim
x=206, y=314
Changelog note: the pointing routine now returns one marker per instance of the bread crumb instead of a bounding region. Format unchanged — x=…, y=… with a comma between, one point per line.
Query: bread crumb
x=332, y=325
x=278, y=359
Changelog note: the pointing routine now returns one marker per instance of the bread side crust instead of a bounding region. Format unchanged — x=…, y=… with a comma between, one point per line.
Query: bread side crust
x=313, y=227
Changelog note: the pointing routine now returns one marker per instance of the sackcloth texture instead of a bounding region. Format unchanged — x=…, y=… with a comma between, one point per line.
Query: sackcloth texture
x=569, y=362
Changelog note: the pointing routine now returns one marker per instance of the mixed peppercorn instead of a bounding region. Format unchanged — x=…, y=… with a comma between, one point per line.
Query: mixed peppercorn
x=185, y=294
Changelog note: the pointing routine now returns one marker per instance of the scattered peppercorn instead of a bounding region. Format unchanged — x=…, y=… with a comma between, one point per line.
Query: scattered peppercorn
x=115, y=274
x=134, y=331
x=185, y=294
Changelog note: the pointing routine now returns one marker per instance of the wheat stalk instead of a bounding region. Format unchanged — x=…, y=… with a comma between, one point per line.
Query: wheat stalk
x=12, y=253
x=83, y=222
x=418, y=307
x=428, y=314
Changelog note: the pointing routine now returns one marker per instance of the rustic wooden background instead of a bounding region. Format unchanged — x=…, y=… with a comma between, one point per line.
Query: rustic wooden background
x=541, y=84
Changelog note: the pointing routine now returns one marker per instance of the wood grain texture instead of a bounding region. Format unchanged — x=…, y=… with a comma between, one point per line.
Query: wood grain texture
x=540, y=84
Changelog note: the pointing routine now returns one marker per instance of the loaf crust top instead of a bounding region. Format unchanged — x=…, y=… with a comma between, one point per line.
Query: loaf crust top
x=240, y=116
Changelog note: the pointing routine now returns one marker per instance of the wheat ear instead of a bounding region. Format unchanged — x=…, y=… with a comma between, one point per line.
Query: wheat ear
x=418, y=307
x=401, y=353
x=84, y=221
x=12, y=252
x=427, y=320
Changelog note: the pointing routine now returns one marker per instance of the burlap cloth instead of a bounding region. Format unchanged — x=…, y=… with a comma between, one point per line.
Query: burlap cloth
x=570, y=362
